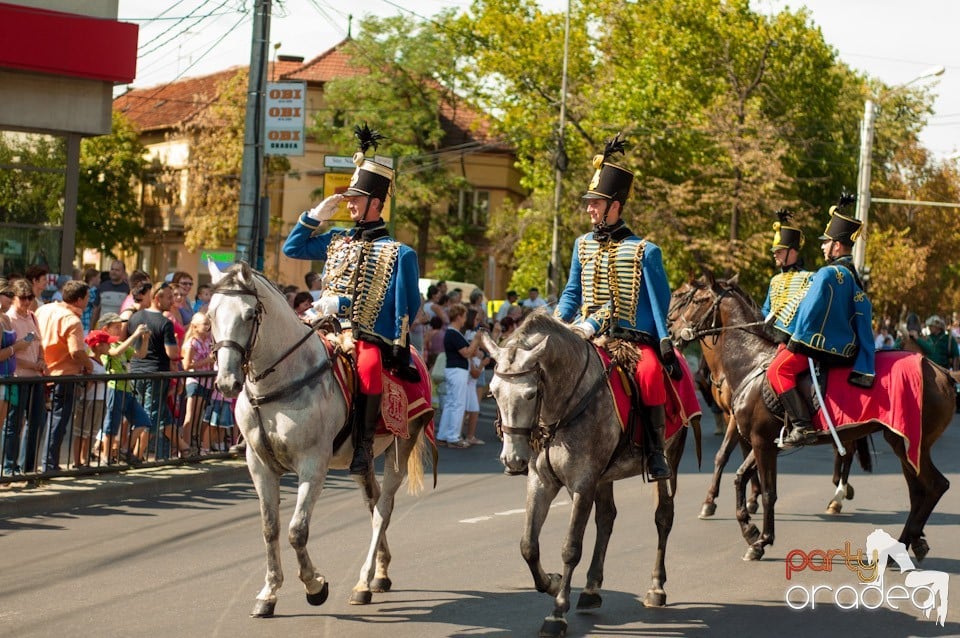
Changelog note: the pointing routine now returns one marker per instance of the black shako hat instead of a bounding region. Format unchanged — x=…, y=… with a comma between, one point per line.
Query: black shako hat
x=370, y=178
x=786, y=236
x=610, y=182
x=840, y=227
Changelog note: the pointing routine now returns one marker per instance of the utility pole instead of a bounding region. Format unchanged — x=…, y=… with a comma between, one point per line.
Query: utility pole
x=249, y=229
x=863, y=184
x=554, y=278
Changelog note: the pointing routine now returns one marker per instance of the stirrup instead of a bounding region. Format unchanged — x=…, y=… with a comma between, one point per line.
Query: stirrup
x=796, y=437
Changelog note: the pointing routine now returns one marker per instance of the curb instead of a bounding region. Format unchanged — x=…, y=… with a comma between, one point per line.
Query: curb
x=62, y=494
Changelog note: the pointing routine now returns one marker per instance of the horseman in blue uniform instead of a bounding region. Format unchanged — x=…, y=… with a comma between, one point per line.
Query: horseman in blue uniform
x=369, y=280
x=618, y=287
x=832, y=325
x=789, y=286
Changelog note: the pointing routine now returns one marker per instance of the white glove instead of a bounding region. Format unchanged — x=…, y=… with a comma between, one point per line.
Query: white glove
x=327, y=305
x=325, y=209
x=586, y=328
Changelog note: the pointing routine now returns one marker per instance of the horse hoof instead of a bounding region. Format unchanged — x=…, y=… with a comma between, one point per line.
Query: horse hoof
x=708, y=510
x=753, y=507
x=753, y=553
x=752, y=535
x=833, y=507
x=380, y=585
x=920, y=549
x=320, y=597
x=849, y=493
x=263, y=609
x=363, y=597
x=655, y=598
x=589, y=601
x=553, y=628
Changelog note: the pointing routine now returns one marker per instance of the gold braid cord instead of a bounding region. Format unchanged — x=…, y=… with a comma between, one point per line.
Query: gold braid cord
x=379, y=265
x=611, y=272
x=787, y=290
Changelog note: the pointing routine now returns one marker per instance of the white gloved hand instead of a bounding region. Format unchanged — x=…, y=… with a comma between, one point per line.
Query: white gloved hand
x=586, y=328
x=325, y=209
x=327, y=305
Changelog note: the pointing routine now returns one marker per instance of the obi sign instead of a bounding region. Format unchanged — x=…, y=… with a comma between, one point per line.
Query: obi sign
x=285, y=115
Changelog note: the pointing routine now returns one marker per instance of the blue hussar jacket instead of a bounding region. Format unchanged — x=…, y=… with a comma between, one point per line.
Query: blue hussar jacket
x=833, y=322
x=375, y=277
x=787, y=289
x=617, y=285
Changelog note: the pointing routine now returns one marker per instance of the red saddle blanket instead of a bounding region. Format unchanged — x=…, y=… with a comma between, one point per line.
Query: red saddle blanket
x=682, y=404
x=894, y=400
x=401, y=402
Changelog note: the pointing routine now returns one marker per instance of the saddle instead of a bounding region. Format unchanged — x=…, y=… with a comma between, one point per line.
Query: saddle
x=626, y=358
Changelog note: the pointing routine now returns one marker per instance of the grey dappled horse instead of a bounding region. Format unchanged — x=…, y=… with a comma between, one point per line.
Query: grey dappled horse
x=290, y=409
x=558, y=423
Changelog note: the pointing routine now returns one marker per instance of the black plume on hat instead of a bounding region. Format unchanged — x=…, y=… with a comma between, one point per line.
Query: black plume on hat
x=370, y=178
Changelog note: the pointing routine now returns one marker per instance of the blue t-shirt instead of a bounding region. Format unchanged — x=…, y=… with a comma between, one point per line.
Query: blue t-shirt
x=453, y=342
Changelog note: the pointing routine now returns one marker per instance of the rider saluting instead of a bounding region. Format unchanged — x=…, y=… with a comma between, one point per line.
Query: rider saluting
x=832, y=325
x=369, y=279
x=618, y=287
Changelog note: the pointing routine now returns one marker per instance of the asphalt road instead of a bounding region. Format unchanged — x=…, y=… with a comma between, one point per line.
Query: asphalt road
x=191, y=563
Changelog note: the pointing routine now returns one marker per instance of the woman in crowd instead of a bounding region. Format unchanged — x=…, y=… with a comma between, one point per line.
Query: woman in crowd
x=456, y=374
x=478, y=362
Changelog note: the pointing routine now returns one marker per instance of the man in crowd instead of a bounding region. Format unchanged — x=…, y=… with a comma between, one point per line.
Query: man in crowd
x=369, y=279
x=833, y=325
x=940, y=347
x=61, y=333
x=618, y=287
x=114, y=290
x=533, y=300
x=507, y=305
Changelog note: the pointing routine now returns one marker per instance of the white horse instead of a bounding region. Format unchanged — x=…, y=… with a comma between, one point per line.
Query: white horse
x=294, y=418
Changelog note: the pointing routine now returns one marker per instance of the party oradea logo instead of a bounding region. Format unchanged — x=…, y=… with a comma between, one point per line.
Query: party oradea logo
x=923, y=589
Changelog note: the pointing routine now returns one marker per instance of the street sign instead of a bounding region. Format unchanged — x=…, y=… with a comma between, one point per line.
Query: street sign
x=338, y=161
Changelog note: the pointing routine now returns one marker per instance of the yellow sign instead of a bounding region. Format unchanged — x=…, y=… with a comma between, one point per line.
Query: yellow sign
x=338, y=183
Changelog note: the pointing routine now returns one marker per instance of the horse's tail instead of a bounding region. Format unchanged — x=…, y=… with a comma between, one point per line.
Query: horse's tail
x=415, y=465
x=863, y=453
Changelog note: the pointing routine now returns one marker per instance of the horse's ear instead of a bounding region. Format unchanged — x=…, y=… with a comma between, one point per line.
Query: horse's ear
x=245, y=274
x=735, y=280
x=538, y=349
x=489, y=344
x=215, y=274
x=709, y=276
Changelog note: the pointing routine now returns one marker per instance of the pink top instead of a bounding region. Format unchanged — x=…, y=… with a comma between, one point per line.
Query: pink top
x=200, y=349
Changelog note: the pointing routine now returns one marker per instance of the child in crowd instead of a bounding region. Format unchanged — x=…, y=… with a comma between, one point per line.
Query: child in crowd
x=219, y=416
x=91, y=399
x=204, y=292
x=121, y=402
x=197, y=355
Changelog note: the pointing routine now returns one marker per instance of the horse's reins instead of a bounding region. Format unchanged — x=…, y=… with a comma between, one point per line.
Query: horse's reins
x=694, y=333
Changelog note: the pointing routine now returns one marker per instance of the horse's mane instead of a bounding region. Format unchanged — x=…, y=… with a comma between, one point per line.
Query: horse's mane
x=537, y=322
x=232, y=280
x=752, y=307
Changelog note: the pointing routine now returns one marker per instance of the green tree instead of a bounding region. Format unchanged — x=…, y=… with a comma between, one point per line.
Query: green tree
x=33, y=192
x=108, y=210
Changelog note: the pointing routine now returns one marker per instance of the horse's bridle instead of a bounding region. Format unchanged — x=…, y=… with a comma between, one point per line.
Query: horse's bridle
x=709, y=324
x=541, y=433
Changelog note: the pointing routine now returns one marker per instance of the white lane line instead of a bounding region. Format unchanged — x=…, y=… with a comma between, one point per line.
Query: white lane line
x=480, y=519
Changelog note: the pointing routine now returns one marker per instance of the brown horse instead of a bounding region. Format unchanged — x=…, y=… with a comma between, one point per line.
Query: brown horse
x=719, y=307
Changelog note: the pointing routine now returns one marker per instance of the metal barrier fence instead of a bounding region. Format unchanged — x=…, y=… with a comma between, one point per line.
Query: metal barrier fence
x=71, y=425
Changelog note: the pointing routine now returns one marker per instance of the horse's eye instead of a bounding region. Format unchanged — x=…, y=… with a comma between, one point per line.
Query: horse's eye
x=247, y=314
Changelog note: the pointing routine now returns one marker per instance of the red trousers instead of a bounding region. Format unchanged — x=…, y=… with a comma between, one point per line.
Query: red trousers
x=650, y=377
x=369, y=368
x=784, y=368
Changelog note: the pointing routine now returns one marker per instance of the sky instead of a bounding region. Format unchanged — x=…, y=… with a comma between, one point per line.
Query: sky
x=893, y=40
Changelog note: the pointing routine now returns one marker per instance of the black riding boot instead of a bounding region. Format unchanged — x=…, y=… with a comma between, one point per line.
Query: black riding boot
x=368, y=413
x=657, y=467
x=796, y=408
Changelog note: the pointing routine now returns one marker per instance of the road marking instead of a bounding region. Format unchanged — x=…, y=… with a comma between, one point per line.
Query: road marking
x=480, y=519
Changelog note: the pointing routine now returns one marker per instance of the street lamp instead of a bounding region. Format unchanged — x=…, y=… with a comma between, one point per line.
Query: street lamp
x=863, y=170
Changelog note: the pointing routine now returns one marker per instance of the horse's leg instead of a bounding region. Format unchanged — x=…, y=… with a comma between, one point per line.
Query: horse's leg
x=925, y=489
x=744, y=474
x=267, y=484
x=663, y=516
x=730, y=439
x=371, y=494
x=310, y=485
x=556, y=624
x=605, y=513
x=841, y=476
x=765, y=456
x=753, y=505
x=539, y=497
